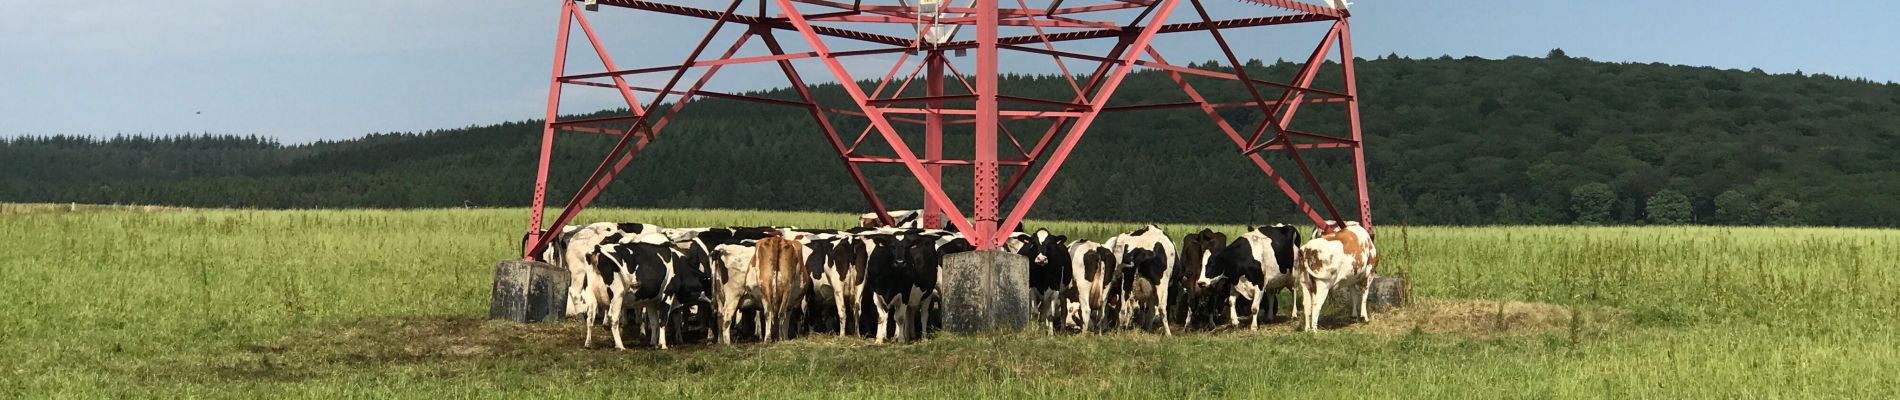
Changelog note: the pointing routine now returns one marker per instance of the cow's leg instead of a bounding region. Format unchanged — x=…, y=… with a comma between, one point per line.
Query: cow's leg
x=1187, y=310
x=728, y=315
x=1299, y=294
x=770, y=322
x=841, y=313
x=1233, y=314
x=614, y=312
x=758, y=323
x=1049, y=309
x=901, y=333
x=1365, y=293
x=883, y=317
x=1254, y=324
x=1091, y=322
x=1161, y=306
x=1320, y=291
x=1272, y=300
x=588, y=324
x=649, y=324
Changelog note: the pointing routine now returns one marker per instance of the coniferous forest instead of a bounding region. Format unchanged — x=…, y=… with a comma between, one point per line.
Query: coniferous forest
x=1471, y=141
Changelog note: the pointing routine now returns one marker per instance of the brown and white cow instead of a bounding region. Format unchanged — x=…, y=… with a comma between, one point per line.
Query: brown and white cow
x=1343, y=257
x=782, y=281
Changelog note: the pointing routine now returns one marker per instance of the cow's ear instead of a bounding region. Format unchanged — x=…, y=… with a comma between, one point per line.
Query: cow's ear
x=1062, y=239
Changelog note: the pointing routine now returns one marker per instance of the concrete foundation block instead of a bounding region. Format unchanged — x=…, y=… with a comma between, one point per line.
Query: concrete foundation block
x=1388, y=292
x=528, y=291
x=985, y=290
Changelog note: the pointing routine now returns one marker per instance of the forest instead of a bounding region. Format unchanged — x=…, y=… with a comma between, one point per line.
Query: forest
x=1450, y=141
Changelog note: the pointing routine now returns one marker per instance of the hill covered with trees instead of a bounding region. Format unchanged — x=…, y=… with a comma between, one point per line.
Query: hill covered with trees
x=1451, y=141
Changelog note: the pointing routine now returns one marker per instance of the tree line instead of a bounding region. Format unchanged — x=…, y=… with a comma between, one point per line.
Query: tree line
x=1457, y=141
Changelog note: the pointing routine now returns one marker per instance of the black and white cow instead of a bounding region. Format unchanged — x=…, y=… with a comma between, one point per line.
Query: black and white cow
x=821, y=287
x=584, y=292
x=903, y=219
x=1200, y=287
x=1049, y=273
x=1093, y=269
x=900, y=274
x=850, y=258
x=1147, y=263
x=1258, y=264
x=652, y=277
x=887, y=282
x=737, y=287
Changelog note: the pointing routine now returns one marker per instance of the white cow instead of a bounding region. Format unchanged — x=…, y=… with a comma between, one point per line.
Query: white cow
x=736, y=285
x=1336, y=259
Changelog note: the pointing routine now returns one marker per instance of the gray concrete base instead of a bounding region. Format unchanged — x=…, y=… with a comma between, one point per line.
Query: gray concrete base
x=528, y=291
x=1388, y=292
x=985, y=290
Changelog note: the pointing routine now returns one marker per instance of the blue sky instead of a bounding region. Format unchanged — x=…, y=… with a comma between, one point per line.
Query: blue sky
x=309, y=70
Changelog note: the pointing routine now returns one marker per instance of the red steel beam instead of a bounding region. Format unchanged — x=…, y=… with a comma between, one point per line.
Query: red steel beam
x=1352, y=118
x=1290, y=101
x=830, y=133
x=547, y=133
x=609, y=167
x=1234, y=136
x=933, y=133
x=1137, y=46
x=932, y=187
x=1095, y=79
x=984, y=177
x=1169, y=28
x=1300, y=6
x=931, y=162
x=879, y=91
x=1288, y=108
x=773, y=23
x=734, y=60
x=1003, y=113
x=1190, y=104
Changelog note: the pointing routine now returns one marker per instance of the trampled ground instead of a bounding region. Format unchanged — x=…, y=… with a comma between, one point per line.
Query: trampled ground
x=222, y=303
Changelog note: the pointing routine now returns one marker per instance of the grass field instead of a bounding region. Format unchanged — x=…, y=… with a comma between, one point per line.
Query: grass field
x=104, y=302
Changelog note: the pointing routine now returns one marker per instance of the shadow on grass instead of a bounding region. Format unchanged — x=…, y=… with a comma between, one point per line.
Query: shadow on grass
x=449, y=346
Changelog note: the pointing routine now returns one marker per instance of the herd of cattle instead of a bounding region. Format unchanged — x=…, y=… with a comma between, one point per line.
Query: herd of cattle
x=794, y=281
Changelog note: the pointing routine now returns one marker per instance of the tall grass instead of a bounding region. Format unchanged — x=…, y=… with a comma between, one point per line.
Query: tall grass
x=116, y=302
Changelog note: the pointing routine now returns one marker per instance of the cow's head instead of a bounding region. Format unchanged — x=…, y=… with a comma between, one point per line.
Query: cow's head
x=1200, y=268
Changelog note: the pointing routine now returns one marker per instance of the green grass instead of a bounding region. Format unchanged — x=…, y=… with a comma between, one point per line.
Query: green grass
x=117, y=302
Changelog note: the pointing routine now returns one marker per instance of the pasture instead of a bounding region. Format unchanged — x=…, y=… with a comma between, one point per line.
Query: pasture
x=114, y=302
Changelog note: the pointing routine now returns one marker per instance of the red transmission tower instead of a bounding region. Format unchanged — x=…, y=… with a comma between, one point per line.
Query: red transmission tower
x=835, y=30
